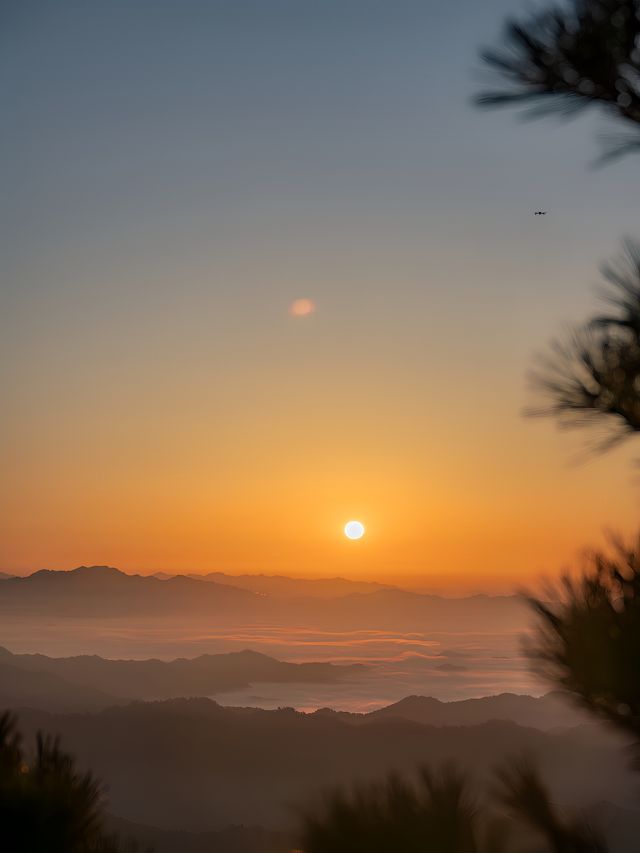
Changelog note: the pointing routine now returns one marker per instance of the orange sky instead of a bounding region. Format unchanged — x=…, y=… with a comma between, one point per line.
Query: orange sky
x=164, y=409
x=158, y=487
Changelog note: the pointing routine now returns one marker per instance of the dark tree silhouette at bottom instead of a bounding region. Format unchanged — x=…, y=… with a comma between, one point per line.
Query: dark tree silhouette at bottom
x=440, y=815
x=46, y=804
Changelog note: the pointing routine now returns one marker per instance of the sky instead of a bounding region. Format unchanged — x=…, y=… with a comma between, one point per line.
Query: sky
x=175, y=174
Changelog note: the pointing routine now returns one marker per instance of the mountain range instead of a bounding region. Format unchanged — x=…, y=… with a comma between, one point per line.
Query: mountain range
x=89, y=682
x=552, y=711
x=190, y=764
x=106, y=592
x=280, y=586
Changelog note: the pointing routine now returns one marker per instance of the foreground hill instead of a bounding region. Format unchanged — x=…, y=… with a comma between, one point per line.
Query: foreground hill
x=621, y=828
x=97, y=592
x=90, y=682
x=193, y=765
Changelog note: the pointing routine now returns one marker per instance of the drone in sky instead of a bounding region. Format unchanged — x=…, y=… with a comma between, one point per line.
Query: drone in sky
x=540, y=213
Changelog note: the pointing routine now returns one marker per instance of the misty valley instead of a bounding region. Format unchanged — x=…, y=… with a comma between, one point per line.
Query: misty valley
x=213, y=727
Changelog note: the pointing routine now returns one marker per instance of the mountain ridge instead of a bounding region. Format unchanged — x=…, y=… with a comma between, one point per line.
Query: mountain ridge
x=194, y=764
x=106, y=592
x=121, y=680
x=107, y=681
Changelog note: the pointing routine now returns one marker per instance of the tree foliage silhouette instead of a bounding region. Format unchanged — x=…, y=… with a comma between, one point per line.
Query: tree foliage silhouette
x=588, y=638
x=525, y=796
x=46, y=804
x=568, y=58
x=441, y=816
x=592, y=378
x=565, y=59
x=437, y=815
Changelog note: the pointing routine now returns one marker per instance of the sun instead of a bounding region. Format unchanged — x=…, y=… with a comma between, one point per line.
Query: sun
x=354, y=529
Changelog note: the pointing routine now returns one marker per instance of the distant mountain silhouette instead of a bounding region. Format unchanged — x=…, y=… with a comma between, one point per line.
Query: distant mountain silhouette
x=89, y=682
x=397, y=609
x=192, y=764
x=4, y=576
x=104, y=592
x=547, y=712
x=281, y=586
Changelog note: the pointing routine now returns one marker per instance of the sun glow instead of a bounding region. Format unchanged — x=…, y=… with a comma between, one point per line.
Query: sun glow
x=354, y=530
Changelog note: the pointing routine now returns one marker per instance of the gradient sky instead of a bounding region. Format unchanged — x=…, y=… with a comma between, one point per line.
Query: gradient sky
x=176, y=173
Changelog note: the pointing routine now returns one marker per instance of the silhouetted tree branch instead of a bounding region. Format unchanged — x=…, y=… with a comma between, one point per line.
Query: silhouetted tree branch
x=570, y=57
x=440, y=816
x=588, y=638
x=565, y=59
x=436, y=815
x=46, y=804
x=592, y=378
x=527, y=799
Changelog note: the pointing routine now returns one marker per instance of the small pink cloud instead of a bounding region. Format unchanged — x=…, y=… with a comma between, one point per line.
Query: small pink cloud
x=302, y=307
